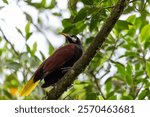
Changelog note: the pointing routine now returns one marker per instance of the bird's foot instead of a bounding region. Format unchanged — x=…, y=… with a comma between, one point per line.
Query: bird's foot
x=65, y=69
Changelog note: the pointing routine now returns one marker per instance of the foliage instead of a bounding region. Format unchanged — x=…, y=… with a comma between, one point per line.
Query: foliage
x=120, y=69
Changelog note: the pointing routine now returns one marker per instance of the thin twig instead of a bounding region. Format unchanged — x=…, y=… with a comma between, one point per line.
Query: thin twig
x=43, y=33
x=143, y=7
x=115, y=47
x=105, y=74
x=98, y=86
x=12, y=46
x=109, y=7
x=137, y=93
x=143, y=56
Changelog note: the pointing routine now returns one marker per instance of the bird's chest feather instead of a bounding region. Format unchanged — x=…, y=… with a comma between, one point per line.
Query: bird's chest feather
x=74, y=58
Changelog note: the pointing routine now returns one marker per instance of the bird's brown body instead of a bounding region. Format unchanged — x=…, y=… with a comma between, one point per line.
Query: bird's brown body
x=55, y=66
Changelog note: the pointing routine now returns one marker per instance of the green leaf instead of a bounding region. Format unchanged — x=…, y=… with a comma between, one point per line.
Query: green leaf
x=27, y=30
x=113, y=97
x=97, y=62
x=11, y=80
x=87, y=2
x=128, y=10
x=7, y=94
x=52, y=4
x=28, y=48
x=28, y=35
x=148, y=68
x=131, y=19
x=24, y=57
x=57, y=14
x=43, y=57
x=19, y=31
x=28, y=17
x=13, y=65
x=51, y=48
x=43, y=3
x=95, y=19
x=131, y=54
x=145, y=35
x=34, y=49
x=37, y=5
x=121, y=69
x=126, y=97
x=109, y=86
x=82, y=14
x=93, y=24
x=131, y=31
x=129, y=79
x=1, y=51
x=91, y=96
x=80, y=26
x=147, y=44
x=34, y=61
x=5, y=1
x=68, y=29
x=66, y=23
x=27, y=27
x=89, y=40
x=122, y=25
x=143, y=94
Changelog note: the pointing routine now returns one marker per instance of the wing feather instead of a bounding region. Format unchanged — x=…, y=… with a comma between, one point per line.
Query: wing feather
x=59, y=58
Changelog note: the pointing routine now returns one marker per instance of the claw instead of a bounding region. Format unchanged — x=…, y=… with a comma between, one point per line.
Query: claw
x=65, y=69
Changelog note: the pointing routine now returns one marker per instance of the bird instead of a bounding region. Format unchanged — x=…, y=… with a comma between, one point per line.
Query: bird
x=55, y=66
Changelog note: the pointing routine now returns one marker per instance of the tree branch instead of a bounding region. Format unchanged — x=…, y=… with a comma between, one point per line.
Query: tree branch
x=84, y=61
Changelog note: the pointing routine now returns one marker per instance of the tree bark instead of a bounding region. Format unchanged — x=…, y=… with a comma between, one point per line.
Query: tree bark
x=85, y=59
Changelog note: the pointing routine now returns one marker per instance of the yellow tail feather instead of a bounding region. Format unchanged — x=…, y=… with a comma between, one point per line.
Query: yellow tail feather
x=29, y=87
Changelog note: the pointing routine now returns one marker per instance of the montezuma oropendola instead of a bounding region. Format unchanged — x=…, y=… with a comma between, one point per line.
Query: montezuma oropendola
x=54, y=67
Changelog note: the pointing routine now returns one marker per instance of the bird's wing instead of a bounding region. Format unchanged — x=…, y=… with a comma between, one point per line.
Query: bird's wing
x=59, y=58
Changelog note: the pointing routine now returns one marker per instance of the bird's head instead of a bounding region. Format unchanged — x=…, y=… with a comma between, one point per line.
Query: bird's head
x=72, y=39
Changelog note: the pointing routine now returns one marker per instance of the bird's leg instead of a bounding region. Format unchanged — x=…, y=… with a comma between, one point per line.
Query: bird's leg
x=65, y=69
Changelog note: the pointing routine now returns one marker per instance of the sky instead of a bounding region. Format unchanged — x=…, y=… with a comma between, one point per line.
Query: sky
x=11, y=16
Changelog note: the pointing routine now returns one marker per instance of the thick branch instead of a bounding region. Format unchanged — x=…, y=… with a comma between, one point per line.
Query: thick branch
x=84, y=61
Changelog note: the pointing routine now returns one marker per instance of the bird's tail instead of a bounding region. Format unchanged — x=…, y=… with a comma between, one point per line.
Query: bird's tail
x=29, y=87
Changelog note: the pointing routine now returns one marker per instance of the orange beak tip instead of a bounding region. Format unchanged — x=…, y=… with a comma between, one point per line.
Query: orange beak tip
x=63, y=34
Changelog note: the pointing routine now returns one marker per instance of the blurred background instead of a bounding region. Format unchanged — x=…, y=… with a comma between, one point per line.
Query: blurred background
x=29, y=33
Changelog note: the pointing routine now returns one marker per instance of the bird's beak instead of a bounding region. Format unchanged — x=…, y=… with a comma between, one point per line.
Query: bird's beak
x=67, y=37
